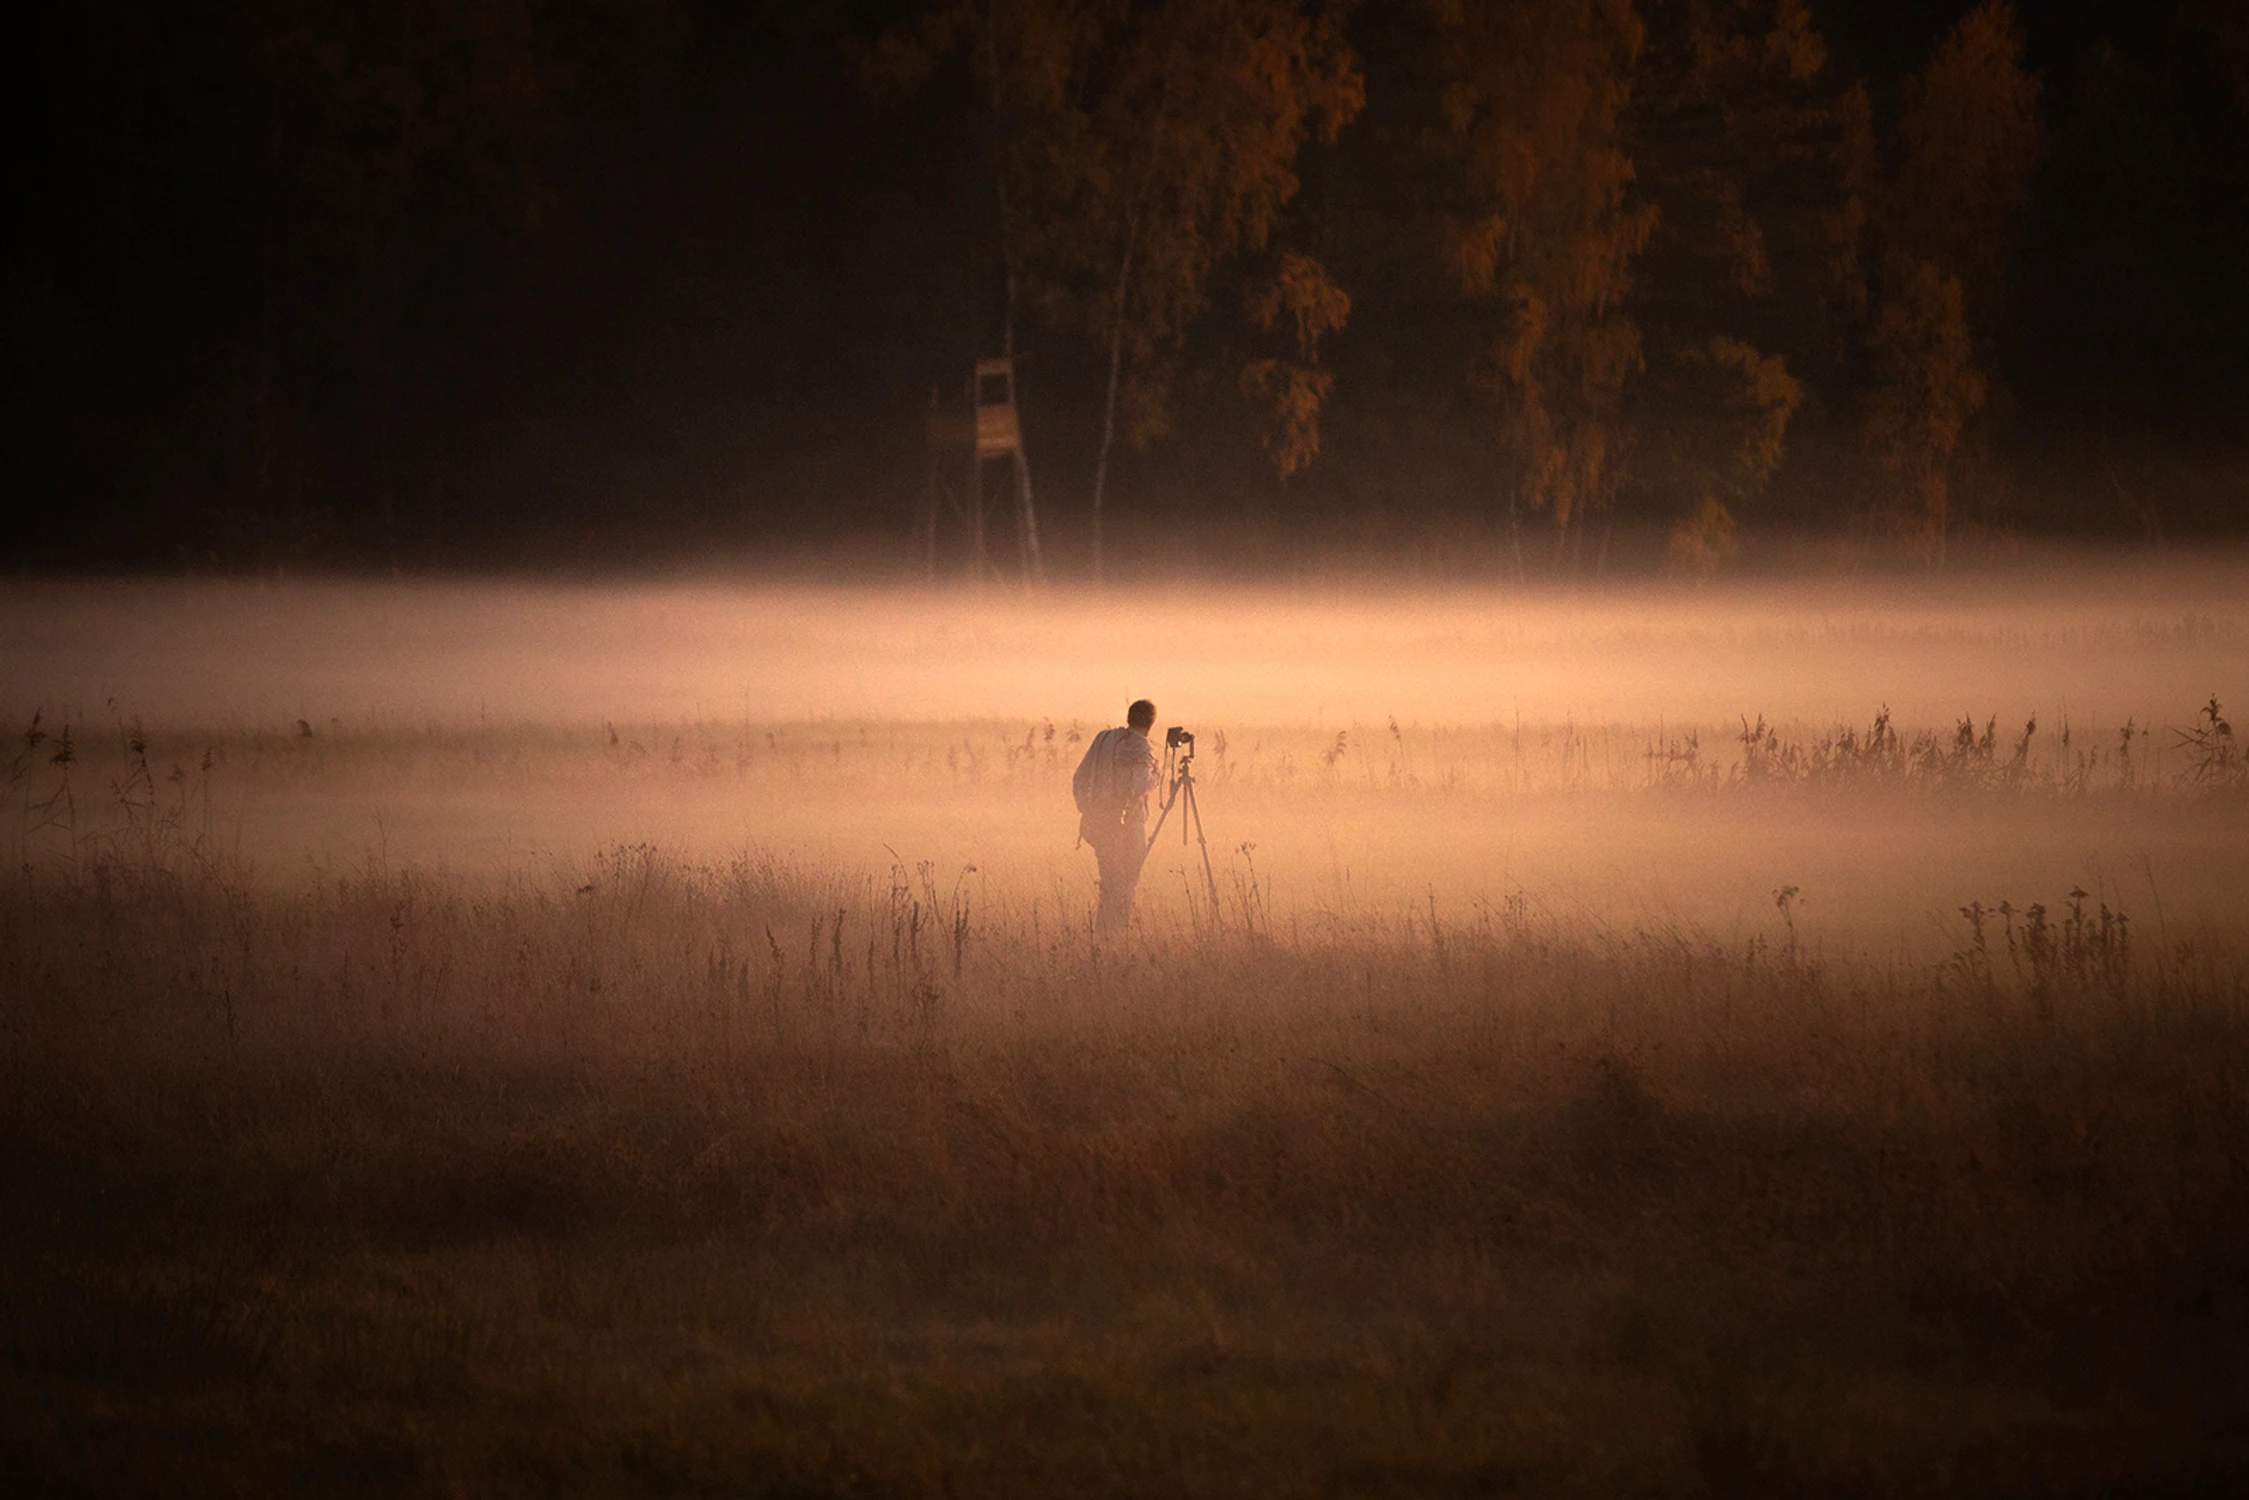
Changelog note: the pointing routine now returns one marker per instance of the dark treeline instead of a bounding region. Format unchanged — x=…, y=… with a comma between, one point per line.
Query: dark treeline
x=1526, y=285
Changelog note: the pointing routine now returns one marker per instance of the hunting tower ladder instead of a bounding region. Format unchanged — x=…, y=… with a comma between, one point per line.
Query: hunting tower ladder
x=962, y=440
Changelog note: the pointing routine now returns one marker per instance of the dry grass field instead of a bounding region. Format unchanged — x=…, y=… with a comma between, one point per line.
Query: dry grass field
x=1627, y=1094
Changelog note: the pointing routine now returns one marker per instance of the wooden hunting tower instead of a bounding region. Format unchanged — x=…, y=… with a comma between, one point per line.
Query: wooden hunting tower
x=963, y=438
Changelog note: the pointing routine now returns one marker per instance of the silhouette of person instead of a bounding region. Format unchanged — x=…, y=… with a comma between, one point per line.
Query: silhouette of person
x=1111, y=786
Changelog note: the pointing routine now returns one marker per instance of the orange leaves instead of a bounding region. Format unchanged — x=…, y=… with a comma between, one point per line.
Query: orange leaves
x=1930, y=386
x=1291, y=395
x=1968, y=140
x=1471, y=250
x=1730, y=406
x=1700, y=544
x=1144, y=144
x=1766, y=397
x=1927, y=389
x=1536, y=102
x=1290, y=392
x=1302, y=289
x=1794, y=44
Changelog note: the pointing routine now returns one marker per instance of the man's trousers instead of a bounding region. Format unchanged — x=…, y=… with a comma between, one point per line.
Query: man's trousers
x=1120, y=856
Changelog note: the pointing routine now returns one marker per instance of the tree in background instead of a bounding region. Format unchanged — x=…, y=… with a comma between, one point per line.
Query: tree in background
x=1024, y=55
x=1196, y=114
x=1730, y=441
x=1927, y=388
x=1738, y=123
x=288, y=174
x=1968, y=140
x=1548, y=236
x=422, y=99
x=1292, y=387
x=1139, y=145
x=319, y=281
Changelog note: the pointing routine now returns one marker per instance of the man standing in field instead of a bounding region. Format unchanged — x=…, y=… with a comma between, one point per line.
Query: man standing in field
x=1112, y=786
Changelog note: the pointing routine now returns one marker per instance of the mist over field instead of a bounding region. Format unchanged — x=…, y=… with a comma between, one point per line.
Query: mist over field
x=2107, y=641
x=1782, y=1039
x=1587, y=751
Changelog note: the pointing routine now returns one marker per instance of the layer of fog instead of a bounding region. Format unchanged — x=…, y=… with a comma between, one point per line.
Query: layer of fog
x=2097, y=644
x=1494, y=744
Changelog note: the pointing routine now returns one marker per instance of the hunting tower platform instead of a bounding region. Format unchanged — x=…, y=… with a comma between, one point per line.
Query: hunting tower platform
x=962, y=439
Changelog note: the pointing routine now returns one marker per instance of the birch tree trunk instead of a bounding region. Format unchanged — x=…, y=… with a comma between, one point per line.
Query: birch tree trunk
x=1117, y=328
x=1026, y=508
x=1109, y=406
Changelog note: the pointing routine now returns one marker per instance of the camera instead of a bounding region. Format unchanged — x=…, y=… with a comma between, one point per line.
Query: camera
x=1179, y=773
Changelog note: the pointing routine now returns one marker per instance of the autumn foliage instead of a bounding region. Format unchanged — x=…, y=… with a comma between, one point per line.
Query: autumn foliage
x=338, y=283
x=1671, y=228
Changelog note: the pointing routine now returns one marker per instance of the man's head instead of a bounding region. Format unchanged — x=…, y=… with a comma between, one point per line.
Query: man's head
x=1141, y=717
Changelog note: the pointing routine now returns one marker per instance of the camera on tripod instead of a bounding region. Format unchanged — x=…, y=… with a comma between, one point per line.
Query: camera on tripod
x=1179, y=773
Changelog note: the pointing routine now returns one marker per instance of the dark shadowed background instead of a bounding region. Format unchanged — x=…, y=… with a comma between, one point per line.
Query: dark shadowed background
x=533, y=282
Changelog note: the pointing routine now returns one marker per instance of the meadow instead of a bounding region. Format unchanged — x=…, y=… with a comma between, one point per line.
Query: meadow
x=462, y=1039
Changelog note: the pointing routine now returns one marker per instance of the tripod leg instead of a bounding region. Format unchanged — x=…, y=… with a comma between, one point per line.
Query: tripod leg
x=1165, y=812
x=1210, y=877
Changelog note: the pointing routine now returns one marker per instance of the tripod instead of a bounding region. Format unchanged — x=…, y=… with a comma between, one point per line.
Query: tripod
x=1183, y=780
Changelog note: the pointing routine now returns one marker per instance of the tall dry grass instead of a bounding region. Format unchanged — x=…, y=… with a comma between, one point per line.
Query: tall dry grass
x=666, y=1175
